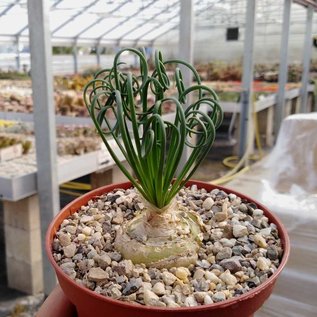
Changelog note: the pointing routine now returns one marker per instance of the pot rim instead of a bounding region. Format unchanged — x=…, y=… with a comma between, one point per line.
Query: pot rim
x=68, y=210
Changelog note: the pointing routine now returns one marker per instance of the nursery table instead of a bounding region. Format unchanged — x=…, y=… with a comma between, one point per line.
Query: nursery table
x=22, y=213
x=265, y=107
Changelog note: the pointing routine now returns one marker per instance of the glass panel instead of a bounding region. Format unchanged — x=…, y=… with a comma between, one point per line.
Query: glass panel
x=161, y=30
x=58, y=17
x=102, y=27
x=140, y=31
x=74, y=27
x=13, y=20
x=74, y=4
x=121, y=29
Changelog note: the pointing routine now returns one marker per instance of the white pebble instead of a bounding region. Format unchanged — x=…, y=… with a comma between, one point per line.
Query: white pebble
x=146, y=285
x=151, y=299
x=257, y=213
x=120, y=200
x=169, y=301
x=85, y=218
x=87, y=231
x=239, y=231
x=64, y=239
x=104, y=261
x=266, y=231
x=168, y=278
x=81, y=237
x=218, y=297
x=199, y=274
x=159, y=289
x=208, y=203
x=208, y=300
x=71, y=229
x=200, y=296
x=96, y=274
x=70, y=250
x=212, y=277
x=228, y=278
x=182, y=273
x=263, y=263
x=190, y=301
x=260, y=241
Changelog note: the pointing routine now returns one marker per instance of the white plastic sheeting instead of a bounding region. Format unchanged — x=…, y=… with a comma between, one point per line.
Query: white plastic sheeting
x=294, y=158
x=295, y=292
x=286, y=182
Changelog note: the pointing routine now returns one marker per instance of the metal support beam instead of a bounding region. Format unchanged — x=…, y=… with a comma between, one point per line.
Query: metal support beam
x=186, y=40
x=247, y=78
x=283, y=69
x=307, y=51
x=75, y=58
x=44, y=124
x=98, y=50
x=18, y=57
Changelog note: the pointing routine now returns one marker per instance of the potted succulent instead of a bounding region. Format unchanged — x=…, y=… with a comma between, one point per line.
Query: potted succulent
x=161, y=244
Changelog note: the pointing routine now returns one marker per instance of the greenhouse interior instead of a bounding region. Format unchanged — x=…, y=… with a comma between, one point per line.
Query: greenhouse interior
x=158, y=158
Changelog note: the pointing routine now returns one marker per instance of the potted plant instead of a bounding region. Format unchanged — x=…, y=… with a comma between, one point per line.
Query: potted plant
x=161, y=244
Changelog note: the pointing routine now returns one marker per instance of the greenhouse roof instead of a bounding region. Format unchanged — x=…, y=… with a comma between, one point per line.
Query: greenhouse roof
x=133, y=22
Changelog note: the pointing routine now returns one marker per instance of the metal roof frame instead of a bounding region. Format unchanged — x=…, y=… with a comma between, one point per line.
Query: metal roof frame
x=100, y=37
x=149, y=19
x=222, y=10
x=9, y=7
x=26, y=26
x=72, y=18
x=100, y=19
x=197, y=14
x=307, y=3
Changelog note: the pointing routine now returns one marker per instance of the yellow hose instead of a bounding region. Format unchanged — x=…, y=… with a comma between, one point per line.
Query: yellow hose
x=71, y=193
x=76, y=186
x=235, y=167
x=64, y=188
x=225, y=179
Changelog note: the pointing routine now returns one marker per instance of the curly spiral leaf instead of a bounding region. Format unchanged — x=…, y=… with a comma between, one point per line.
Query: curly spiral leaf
x=118, y=103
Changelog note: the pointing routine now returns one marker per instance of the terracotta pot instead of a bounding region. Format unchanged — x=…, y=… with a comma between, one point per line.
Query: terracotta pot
x=57, y=305
x=89, y=303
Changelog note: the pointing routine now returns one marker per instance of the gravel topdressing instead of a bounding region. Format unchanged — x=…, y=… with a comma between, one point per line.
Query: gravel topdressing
x=239, y=251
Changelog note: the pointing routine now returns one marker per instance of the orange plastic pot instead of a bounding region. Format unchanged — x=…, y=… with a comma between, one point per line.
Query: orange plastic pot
x=57, y=305
x=89, y=303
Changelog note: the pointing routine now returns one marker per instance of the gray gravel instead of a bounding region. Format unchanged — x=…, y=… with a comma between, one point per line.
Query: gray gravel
x=240, y=250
